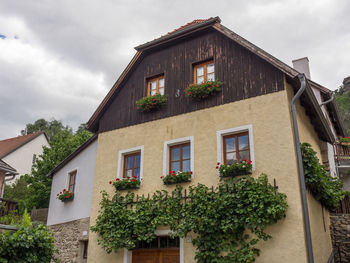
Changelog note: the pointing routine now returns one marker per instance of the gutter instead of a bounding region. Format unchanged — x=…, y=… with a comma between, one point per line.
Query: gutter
x=305, y=208
x=327, y=101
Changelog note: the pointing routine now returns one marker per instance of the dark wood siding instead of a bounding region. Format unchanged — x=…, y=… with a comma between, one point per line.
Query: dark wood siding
x=244, y=74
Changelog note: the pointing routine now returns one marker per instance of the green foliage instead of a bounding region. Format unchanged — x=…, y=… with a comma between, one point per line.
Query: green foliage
x=220, y=218
x=150, y=103
x=51, y=128
x=26, y=221
x=325, y=188
x=235, y=169
x=11, y=218
x=19, y=192
x=345, y=140
x=204, y=90
x=27, y=244
x=65, y=195
x=343, y=100
x=126, y=183
x=177, y=177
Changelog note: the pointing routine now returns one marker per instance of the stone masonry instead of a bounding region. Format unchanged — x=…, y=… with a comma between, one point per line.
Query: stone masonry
x=340, y=231
x=69, y=240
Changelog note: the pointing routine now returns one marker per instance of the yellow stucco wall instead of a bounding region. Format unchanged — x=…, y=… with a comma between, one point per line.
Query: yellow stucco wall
x=319, y=218
x=274, y=155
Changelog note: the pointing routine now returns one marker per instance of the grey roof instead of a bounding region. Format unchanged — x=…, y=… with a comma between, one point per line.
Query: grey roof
x=7, y=168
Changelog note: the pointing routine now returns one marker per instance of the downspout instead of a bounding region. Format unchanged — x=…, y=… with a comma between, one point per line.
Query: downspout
x=310, y=255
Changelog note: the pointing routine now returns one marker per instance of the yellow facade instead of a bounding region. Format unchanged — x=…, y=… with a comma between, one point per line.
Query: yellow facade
x=275, y=155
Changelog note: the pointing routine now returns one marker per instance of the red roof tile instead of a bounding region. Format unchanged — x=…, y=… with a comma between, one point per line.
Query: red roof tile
x=9, y=145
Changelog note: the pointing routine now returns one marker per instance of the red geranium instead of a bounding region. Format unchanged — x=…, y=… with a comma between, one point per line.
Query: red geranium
x=67, y=196
x=110, y=182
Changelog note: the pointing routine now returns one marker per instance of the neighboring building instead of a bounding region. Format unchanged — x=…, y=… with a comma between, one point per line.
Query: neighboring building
x=253, y=106
x=6, y=173
x=70, y=220
x=20, y=152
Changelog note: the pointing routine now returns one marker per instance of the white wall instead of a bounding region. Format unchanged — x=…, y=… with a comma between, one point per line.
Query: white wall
x=84, y=163
x=22, y=158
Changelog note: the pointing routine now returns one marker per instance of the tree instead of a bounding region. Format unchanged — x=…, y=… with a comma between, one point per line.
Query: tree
x=19, y=192
x=343, y=100
x=51, y=128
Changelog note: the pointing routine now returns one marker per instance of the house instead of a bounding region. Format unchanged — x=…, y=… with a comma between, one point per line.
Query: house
x=253, y=110
x=20, y=152
x=69, y=220
x=6, y=173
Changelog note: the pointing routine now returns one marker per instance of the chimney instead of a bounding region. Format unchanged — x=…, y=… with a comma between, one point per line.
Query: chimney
x=302, y=65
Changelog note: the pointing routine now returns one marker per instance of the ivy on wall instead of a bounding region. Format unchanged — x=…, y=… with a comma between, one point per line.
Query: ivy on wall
x=325, y=188
x=218, y=217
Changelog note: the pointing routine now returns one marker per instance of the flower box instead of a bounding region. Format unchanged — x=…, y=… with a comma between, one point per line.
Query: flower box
x=126, y=183
x=345, y=141
x=204, y=90
x=235, y=169
x=177, y=177
x=65, y=196
x=150, y=103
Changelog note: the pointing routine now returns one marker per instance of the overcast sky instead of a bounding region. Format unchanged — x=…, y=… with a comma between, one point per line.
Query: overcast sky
x=58, y=59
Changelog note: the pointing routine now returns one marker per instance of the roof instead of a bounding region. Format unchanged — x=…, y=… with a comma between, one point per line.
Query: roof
x=190, y=28
x=10, y=145
x=7, y=168
x=72, y=155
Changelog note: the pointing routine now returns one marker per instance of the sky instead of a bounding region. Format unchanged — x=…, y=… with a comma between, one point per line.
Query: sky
x=58, y=59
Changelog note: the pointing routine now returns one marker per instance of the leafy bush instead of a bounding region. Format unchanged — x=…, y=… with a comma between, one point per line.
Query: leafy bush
x=325, y=188
x=204, y=90
x=220, y=218
x=126, y=183
x=235, y=169
x=65, y=196
x=150, y=103
x=27, y=244
x=177, y=177
x=12, y=218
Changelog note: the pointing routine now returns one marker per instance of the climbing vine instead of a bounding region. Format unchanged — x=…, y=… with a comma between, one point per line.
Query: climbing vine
x=325, y=188
x=218, y=217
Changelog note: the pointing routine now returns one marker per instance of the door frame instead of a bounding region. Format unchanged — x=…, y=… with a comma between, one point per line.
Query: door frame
x=128, y=253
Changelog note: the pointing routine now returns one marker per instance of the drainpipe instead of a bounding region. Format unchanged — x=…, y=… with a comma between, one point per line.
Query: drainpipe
x=310, y=255
x=327, y=101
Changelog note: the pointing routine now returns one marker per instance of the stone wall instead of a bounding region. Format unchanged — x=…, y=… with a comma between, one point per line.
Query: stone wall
x=340, y=231
x=69, y=240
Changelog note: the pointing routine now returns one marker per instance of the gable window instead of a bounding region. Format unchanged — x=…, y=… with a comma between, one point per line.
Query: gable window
x=155, y=86
x=71, y=181
x=180, y=158
x=204, y=72
x=132, y=165
x=236, y=147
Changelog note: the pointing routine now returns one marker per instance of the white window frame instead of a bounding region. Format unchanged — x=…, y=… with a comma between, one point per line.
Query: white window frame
x=128, y=253
x=219, y=138
x=166, y=153
x=121, y=155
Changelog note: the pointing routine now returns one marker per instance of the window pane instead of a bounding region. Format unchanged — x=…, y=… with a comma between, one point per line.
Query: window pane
x=211, y=77
x=137, y=160
x=186, y=152
x=153, y=84
x=200, y=80
x=200, y=71
x=137, y=173
x=243, y=155
x=154, y=243
x=230, y=144
x=129, y=162
x=175, y=166
x=129, y=173
x=186, y=166
x=243, y=142
x=161, y=82
x=161, y=91
x=175, y=154
x=173, y=242
x=70, y=188
x=210, y=68
x=163, y=242
x=153, y=92
x=230, y=157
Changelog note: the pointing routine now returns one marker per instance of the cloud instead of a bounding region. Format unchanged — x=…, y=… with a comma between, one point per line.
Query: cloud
x=60, y=58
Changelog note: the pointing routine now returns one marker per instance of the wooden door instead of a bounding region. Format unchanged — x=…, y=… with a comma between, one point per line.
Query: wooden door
x=156, y=256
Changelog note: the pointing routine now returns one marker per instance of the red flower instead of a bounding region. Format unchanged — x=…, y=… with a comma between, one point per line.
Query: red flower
x=249, y=162
x=117, y=179
x=110, y=182
x=133, y=180
x=218, y=163
x=217, y=167
x=67, y=196
x=161, y=177
x=190, y=172
x=134, y=176
x=57, y=194
x=173, y=175
x=71, y=194
x=64, y=190
x=60, y=192
x=245, y=159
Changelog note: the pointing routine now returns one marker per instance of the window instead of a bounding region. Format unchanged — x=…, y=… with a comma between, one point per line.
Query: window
x=204, y=72
x=236, y=147
x=71, y=182
x=85, y=248
x=155, y=86
x=132, y=164
x=180, y=157
x=159, y=242
x=34, y=158
x=235, y=144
